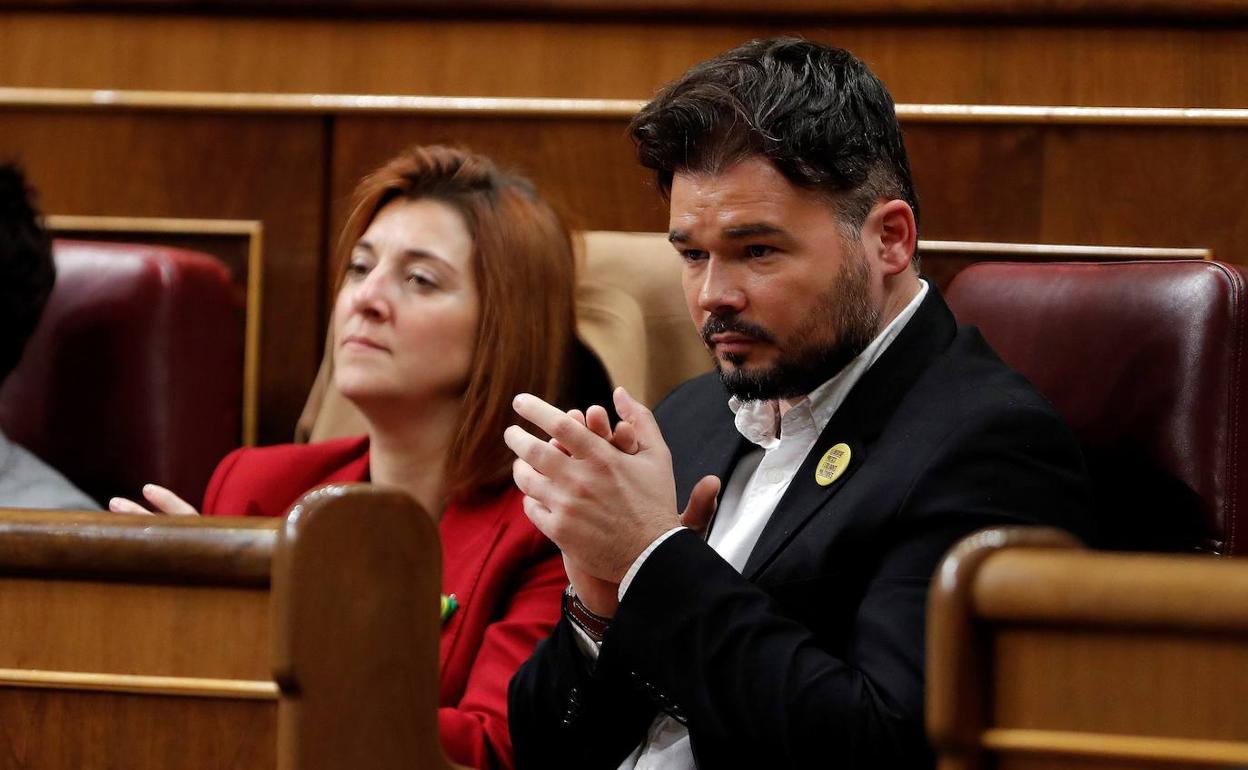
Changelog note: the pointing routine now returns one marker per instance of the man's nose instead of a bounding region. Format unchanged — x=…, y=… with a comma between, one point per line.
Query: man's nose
x=720, y=292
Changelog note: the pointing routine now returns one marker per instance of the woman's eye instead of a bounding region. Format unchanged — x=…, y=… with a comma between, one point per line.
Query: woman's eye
x=421, y=280
x=356, y=268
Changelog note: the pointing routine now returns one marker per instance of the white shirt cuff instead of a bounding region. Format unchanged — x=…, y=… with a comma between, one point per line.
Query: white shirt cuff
x=632, y=570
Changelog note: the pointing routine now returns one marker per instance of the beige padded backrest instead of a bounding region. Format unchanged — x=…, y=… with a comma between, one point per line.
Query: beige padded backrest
x=630, y=310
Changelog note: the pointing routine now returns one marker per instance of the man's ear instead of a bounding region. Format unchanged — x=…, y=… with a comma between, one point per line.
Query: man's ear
x=892, y=234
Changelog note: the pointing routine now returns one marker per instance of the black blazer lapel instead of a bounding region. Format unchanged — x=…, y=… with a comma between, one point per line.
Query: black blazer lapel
x=858, y=422
x=717, y=454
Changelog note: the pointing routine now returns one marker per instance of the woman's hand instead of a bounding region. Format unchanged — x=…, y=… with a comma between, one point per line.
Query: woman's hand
x=162, y=501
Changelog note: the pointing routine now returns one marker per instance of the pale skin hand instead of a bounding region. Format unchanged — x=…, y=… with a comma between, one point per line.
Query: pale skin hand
x=162, y=501
x=601, y=496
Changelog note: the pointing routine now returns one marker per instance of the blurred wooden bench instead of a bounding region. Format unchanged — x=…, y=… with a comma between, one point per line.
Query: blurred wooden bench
x=1042, y=654
x=167, y=643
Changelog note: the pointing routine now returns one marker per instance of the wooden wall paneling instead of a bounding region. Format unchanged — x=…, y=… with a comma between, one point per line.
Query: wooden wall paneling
x=1041, y=761
x=616, y=9
x=1080, y=59
x=228, y=166
x=1168, y=184
x=113, y=730
x=231, y=630
x=1112, y=185
x=978, y=183
x=1036, y=672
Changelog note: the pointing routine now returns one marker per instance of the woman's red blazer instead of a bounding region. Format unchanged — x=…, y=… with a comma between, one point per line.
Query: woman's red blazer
x=506, y=576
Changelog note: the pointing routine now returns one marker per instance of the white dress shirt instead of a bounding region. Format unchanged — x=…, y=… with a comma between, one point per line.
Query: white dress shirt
x=784, y=434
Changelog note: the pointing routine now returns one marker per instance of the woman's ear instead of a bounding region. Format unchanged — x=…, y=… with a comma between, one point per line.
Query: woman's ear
x=892, y=235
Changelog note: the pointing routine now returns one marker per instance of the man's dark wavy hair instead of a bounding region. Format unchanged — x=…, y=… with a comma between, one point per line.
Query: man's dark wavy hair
x=816, y=112
x=26, y=269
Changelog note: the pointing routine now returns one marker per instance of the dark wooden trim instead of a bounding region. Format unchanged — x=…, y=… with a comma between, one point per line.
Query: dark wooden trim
x=191, y=549
x=1133, y=11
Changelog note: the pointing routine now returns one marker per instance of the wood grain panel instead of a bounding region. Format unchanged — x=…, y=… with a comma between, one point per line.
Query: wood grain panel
x=921, y=9
x=1179, y=187
x=1194, y=685
x=116, y=731
x=1047, y=762
x=1149, y=182
x=1076, y=61
x=156, y=630
x=150, y=164
x=976, y=184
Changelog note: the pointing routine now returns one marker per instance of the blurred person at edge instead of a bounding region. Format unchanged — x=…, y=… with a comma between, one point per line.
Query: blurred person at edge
x=456, y=293
x=27, y=273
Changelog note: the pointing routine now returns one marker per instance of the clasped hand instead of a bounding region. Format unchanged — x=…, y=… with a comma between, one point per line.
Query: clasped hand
x=601, y=496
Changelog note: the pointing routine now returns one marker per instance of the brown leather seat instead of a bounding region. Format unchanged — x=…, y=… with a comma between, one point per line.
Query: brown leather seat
x=135, y=371
x=1146, y=360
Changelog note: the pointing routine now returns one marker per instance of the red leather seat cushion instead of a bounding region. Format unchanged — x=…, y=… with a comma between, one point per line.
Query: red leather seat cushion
x=1146, y=362
x=135, y=371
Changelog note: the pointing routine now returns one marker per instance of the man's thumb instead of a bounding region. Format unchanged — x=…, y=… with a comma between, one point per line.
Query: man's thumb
x=701, y=507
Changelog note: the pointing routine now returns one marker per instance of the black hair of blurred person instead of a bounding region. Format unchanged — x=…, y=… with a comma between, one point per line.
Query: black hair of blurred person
x=817, y=113
x=26, y=268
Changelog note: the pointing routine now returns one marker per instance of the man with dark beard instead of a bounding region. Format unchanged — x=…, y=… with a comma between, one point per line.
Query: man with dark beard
x=857, y=430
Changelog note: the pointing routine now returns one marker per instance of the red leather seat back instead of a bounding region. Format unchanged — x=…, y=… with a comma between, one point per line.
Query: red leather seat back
x=134, y=373
x=1146, y=361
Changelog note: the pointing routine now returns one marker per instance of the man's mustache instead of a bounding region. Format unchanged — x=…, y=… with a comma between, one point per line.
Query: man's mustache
x=731, y=324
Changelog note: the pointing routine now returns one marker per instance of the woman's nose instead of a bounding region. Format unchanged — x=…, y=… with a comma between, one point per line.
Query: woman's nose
x=372, y=295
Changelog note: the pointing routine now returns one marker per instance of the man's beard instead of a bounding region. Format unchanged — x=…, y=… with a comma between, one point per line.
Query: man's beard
x=841, y=324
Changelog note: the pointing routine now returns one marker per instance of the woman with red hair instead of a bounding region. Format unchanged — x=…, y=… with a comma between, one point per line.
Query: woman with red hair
x=456, y=293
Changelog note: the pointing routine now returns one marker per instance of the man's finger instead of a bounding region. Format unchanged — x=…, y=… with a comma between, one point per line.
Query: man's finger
x=642, y=419
x=625, y=438
x=702, y=502
x=575, y=414
x=122, y=505
x=547, y=457
x=167, y=502
x=572, y=435
x=597, y=420
x=540, y=515
x=531, y=483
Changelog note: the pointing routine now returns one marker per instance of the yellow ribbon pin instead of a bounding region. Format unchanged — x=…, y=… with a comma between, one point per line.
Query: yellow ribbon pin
x=832, y=464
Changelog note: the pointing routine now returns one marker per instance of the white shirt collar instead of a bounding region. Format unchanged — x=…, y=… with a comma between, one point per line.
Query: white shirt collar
x=759, y=421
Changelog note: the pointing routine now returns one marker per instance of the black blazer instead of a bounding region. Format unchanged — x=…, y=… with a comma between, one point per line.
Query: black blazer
x=813, y=657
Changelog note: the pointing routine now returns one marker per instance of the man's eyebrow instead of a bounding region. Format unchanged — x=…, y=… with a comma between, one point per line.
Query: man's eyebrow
x=735, y=232
x=753, y=229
